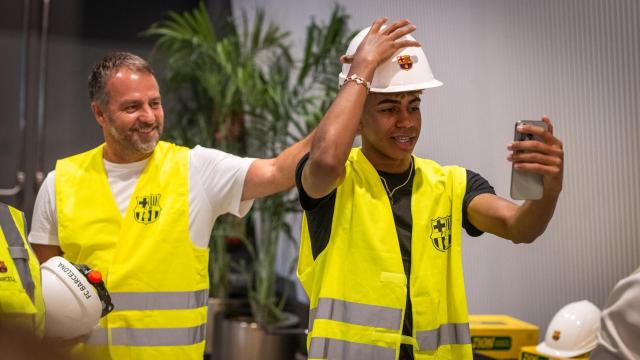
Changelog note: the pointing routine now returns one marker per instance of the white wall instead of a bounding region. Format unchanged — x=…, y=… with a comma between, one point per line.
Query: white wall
x=501, y=61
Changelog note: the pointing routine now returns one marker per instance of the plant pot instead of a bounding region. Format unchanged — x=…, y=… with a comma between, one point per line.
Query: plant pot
x=243, y=339
x=218, y=306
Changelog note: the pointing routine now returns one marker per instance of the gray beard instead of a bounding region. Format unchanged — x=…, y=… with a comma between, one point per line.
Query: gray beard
x=131, y=145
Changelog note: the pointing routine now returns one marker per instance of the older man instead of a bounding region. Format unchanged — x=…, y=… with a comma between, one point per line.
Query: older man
x=141, y=211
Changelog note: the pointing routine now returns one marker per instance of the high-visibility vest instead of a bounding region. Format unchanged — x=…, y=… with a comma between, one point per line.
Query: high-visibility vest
x=21, y=302
x=357, y=285
x=157, y=277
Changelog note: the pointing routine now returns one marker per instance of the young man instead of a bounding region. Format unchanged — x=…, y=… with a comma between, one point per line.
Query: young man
x=380, y=255
x=141, y=211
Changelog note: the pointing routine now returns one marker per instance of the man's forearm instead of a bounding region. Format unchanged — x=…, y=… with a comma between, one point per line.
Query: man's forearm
x=45, y=252
x=285, y=163
x=336, y=132
x=531, y=219
x=338, y=128
x=503, y=218
x=269, y=176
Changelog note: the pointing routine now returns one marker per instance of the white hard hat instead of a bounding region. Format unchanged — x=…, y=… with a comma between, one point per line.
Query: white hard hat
x=74, y=297
x=572, y=331
x=406, y=70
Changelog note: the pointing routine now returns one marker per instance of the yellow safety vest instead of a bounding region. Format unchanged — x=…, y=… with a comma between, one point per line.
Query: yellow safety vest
x=357, y=286
x=21, y=301
x=157, y=277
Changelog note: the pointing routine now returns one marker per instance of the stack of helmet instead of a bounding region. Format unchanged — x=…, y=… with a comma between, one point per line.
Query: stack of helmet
x=572, y=331
x=75, y=298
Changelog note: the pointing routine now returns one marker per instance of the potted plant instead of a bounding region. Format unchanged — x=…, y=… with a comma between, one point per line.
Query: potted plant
x=280, y=110
x=243, y=93
x=206, y=75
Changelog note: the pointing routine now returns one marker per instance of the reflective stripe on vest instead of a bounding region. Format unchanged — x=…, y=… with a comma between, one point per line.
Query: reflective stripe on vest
x=18, y=252
x=327, y=348
x=160, y=300
x=158, y=337
x=446, y=334
x=148, y=336
x=98, y=336
x=356, y=313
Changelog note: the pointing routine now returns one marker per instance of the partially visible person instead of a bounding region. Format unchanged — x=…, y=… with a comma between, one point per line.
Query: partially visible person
x=141, y=212
x=619, y=336
x=21, y=302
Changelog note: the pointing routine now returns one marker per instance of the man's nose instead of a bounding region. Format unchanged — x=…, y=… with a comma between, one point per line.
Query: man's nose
x=404, y=119
x=147, y=115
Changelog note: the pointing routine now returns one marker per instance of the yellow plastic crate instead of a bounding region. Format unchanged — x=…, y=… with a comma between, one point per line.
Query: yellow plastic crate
x=501, y=336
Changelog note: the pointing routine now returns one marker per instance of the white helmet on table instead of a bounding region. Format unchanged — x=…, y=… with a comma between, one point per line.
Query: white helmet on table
x=75, y=298
x=572, y=331
x=406, y=70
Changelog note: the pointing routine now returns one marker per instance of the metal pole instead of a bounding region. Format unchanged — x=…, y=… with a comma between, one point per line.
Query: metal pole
x=22, y=110
x=42, y=85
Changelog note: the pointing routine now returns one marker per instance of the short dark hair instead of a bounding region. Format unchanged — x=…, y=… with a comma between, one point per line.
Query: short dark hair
x=107, y=67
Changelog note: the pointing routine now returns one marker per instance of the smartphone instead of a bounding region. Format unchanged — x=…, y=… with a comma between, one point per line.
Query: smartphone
x=526, y=185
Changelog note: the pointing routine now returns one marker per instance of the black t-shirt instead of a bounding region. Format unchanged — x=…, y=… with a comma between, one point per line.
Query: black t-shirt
x=320, y=215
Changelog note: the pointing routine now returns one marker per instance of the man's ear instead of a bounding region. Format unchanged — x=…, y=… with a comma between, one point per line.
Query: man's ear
x=98, y=114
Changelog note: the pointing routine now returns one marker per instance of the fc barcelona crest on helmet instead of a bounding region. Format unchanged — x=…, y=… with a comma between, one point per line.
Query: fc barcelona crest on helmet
x=147, y=208
x=3, y=267
x=441, y=233
x=405, y=62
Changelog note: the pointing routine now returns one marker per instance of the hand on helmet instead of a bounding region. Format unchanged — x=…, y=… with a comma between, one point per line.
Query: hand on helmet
x=379, y=44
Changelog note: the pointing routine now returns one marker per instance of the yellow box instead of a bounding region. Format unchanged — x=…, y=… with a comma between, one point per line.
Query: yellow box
x=501, y=336
x=530, y=353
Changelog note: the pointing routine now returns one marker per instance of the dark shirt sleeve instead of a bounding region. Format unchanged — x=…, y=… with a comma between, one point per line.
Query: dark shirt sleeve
x=319, y=212
x=307, y=202
x=476, y=185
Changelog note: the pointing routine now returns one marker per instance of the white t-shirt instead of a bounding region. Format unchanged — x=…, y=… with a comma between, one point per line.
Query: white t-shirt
x=216, y=180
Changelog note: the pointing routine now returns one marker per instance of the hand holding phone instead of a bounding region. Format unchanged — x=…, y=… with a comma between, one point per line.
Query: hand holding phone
x=526, y=185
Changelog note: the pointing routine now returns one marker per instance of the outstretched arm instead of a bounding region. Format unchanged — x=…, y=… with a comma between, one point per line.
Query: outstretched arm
x=524, y=223
x=269, y=176
x=334, y=137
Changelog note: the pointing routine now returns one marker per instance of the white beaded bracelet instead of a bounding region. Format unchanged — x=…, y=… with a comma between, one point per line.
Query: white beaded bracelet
x=358, y=80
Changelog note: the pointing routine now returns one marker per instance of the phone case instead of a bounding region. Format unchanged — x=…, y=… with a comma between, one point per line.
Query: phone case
x=526, y=185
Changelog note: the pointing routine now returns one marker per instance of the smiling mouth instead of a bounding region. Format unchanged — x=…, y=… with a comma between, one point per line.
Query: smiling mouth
x=403, y=139
x=145, y=130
